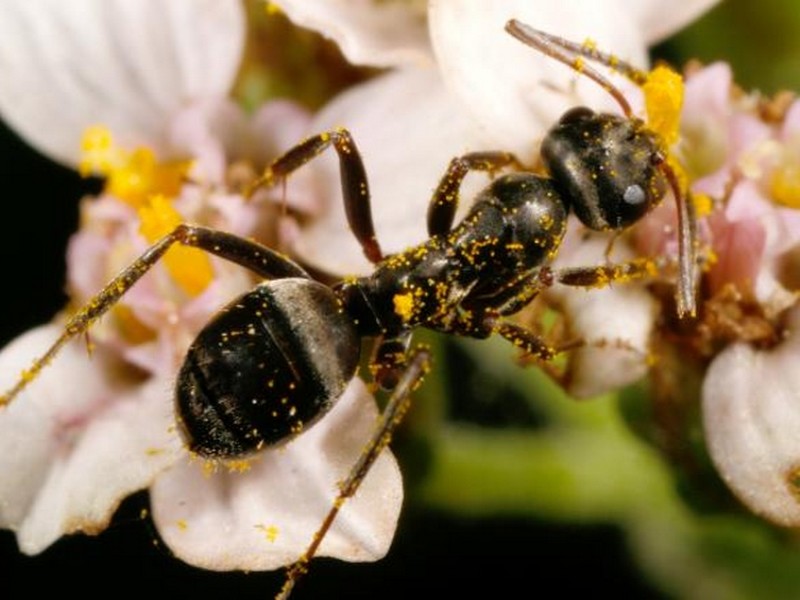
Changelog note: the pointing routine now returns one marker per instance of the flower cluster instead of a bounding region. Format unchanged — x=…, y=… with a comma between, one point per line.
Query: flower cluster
x=742, y=151
x=453, y=83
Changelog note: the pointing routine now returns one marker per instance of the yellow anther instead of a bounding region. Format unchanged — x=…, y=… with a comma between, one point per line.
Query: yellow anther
x=98, y=153
x=663, y=97
x=132, y=176
x=785, y=185
x=703, y=205
x=189, y=267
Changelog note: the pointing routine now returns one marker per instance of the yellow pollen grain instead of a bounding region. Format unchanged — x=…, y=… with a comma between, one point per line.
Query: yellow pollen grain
x=209, y=468
x=189, y=267
x=404, y=305
x=182, y=525
x=239, y=466
x=270, y=532
x=663, y=98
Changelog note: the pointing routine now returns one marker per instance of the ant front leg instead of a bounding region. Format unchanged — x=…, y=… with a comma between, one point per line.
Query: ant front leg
x=259, y=259
x=418, y=365
x=444, y=203
x=355, y=188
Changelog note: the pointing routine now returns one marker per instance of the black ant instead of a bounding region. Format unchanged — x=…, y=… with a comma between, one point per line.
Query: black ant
x=305, y=337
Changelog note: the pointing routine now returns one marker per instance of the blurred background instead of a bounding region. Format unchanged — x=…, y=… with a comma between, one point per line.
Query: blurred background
x=494, y=503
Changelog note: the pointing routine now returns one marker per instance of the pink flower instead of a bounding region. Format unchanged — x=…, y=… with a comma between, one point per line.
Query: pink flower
x=742, y=151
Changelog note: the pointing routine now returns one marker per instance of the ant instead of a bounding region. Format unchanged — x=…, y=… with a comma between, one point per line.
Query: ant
x=465, y=280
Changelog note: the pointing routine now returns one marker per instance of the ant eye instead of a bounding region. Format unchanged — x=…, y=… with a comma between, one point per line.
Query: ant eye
x=634, y=194
x=579, y=113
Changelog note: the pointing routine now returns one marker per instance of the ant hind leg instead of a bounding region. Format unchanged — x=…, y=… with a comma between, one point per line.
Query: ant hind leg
x=398, y=404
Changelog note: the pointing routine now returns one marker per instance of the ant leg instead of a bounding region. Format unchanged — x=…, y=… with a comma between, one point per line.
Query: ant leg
x=442, y=209
x=355, y=188
x=396, y=408
x=603, y=275
x=261, y=260
x=570, y=54
x=389, y=360
x=522, y=290
x=525, y=339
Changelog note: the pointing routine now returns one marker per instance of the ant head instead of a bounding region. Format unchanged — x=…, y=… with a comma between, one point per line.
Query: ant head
x=605, y=166
x=591, y=155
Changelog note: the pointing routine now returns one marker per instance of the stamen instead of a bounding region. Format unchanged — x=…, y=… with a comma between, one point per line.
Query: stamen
x=98, y=153
x=189, y=267
x=132, y=176
x=663, y=97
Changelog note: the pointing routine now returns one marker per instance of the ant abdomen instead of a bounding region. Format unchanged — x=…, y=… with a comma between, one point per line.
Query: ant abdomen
x=269, y=365
x=605, y=167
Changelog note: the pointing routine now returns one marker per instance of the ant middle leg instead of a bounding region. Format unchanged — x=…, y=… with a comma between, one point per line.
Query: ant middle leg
x=259, y=259
x=353, y=175
x=444, y=203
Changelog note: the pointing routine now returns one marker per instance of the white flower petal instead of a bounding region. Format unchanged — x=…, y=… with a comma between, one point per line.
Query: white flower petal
x=514, y=91
x=407, y=128
x=126, y=65
x=71, y=446
x=615, y=322
x=369, y=32
x=657, y=19
x=265, y=518
x=751, y=415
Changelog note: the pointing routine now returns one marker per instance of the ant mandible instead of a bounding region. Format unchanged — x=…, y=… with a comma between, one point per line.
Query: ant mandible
x=465, y=280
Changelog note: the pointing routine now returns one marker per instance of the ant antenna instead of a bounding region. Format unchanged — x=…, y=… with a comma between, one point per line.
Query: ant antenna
x=687, y=263
x=572, y=54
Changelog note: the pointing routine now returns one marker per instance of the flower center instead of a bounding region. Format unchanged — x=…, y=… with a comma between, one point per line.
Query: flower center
x=140, y=180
